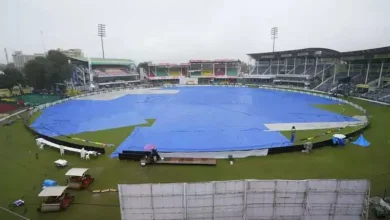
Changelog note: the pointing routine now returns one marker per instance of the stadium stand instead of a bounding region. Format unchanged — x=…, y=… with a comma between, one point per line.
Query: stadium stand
x=39, y=99
x=174, y=71
x=215, y=69
x=151, y=72
x=207, y=70
x=184, y=69
x=220, y=69
x=322, y=68
x=5, y=108
x=161, y=71
x=97, y=72
x=382, y=94
x=195, y=69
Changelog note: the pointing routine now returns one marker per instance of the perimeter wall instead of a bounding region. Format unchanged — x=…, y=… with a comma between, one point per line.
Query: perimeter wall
x=247, y=199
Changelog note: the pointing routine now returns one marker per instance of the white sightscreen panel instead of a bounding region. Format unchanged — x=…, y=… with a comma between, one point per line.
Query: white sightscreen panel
x=200, y=200
x=260, y=199
x=229, y=199
x=168, y=201
x=246, y=199
x=289, y=197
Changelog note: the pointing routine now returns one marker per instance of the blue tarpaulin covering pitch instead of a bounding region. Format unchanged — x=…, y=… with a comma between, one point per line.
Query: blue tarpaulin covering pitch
x=194, y=119
x=361, y=141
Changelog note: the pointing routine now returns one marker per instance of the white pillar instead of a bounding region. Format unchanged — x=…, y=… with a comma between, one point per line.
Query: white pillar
x=349, y=67
x=286, y=67
x=294, y=65
x=334, y=74
x=270, y=67
x=277, y=69
x=257, y=68
x=305, y=65
x=84, y=76
x=323, y=72
x=90, y=70
x=225, y=69
x=181, y=70
x=315, y=68
x=388, y=68
x=213, y=69
x=368, y=69
x=380, y=75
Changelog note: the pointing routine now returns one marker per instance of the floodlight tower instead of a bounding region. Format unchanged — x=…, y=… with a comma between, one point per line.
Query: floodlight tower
x=274, y=36
x=101, y=34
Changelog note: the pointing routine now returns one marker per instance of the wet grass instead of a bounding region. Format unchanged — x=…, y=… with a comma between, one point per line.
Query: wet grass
x=22, y=174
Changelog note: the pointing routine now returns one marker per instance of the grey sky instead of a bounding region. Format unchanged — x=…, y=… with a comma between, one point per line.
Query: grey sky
x=179, y=30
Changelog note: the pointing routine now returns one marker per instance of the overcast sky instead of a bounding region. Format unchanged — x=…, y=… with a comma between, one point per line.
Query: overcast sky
x=179, y=30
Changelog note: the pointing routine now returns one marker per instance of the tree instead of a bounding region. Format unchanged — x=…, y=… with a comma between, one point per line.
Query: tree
x=45, y=72
x=35, y=71
x=11, y=78
x=2, y=67
x=58, y=67
x=11, y=65
x=244, y=67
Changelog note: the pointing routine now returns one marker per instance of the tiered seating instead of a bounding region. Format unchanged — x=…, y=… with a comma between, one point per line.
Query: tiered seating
x=326, y=86
x=174, y=72
x=338, y=76
x=353, y=74
x=273, y=69
x=151, y=73
x=207, y=72
x=4, y=108
x=196, y=73
x=115, y=71
x=372, y=75
x=207, y=69
x=100, y=72
x=111, y=71
x=319, y=69
x=219, y=69
x=185, y=71
x=195, y=69
x=359, y=79
x=162, y=71
x=261, y=70
x=382, y=95
x=310, y=70
x=232, y=71
x=299, y=69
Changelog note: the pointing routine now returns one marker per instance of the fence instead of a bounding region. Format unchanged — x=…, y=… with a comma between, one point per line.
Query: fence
x=247, y=199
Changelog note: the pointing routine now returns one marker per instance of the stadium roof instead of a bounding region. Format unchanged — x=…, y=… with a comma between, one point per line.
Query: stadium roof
x=309, y=52
x=372, y=55
x=375, y=55
x=101, y=61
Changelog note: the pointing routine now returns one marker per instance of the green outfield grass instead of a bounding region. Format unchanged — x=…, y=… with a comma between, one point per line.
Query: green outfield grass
x=22, y=174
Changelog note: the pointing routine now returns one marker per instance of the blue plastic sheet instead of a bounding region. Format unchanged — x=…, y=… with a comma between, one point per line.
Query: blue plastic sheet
x=361, y=141
x=194, y=119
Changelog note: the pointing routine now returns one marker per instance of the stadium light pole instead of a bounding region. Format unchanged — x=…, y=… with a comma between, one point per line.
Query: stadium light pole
x=101, y=34
x=274, y=36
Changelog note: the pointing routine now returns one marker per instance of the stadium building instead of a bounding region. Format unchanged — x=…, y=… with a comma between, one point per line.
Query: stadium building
x=365, y=72
x=195, y=72
x=167, y=73
x=103, y=72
